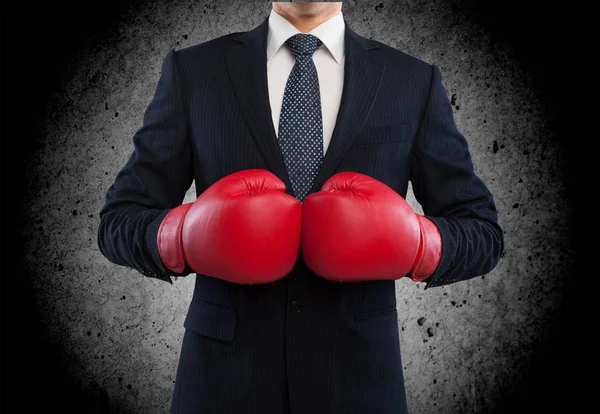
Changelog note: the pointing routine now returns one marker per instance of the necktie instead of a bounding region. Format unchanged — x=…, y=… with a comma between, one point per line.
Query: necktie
x=301, y=122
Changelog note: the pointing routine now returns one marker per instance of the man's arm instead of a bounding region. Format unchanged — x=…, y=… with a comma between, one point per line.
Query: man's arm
x=154, y=180
x=452, y=195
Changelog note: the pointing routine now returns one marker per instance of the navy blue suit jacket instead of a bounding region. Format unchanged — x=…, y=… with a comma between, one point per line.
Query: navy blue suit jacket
x=302, y=344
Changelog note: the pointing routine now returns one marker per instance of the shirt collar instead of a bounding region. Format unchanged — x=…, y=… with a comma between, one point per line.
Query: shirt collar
x=330, y=32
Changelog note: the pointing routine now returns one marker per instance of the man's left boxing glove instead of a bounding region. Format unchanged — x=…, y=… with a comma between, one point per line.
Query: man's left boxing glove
x=244, y=229
x=358, y=229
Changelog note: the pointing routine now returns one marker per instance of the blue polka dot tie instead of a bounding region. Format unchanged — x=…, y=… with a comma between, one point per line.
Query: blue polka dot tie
x=301, y=122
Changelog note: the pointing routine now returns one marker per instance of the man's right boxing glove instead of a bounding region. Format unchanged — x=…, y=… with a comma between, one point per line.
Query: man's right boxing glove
x=244, y=229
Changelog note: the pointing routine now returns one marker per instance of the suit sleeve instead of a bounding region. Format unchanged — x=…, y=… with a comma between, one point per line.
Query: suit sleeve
x=153, y=181
x=452, y=195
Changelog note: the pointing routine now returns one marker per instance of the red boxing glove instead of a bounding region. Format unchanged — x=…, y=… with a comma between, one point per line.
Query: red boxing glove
x=357, y=229
x=244, y=229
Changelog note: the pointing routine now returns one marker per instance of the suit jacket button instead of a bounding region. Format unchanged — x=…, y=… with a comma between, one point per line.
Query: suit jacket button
x=296, y=306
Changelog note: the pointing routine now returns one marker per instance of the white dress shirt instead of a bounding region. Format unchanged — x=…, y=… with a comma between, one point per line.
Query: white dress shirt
x=329, y=61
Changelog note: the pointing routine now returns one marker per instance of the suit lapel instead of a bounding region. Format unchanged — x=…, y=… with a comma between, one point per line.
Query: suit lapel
x=247, y=66
x=363, y=73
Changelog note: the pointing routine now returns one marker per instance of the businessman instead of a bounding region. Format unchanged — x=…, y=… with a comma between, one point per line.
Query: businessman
x=301, y=137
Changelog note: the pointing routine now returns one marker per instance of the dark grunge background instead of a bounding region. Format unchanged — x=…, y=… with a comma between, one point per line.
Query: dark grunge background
x=39, y=43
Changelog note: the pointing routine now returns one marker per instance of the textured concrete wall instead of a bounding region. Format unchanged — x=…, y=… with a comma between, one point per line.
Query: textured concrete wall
x=464, y=345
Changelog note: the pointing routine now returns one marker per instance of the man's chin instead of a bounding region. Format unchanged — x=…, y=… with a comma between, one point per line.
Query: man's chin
x=307, y=8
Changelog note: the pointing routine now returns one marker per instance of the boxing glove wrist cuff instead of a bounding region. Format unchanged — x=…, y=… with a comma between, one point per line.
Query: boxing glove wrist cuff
x=169, y=242
x=430, y=255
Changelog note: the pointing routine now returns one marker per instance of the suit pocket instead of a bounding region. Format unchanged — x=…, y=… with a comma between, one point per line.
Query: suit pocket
x=213, y=321
x=378, y=134
x=376, y=314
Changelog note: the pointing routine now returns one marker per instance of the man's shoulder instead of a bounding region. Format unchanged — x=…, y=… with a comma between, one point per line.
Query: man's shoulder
x=395, y=56
x=208, y=48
